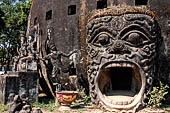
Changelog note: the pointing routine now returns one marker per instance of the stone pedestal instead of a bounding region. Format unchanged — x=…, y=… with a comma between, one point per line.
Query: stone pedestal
x=18, y=83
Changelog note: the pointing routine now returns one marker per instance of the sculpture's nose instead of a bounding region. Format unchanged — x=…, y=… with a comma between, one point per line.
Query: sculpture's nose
x=118, y=46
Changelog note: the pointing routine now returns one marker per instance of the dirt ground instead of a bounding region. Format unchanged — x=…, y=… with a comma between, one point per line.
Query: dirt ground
x=95, y=110
x=78, y=111
x=75, y=109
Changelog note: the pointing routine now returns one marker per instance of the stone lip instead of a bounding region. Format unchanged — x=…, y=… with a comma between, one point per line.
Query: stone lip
x=137, y=99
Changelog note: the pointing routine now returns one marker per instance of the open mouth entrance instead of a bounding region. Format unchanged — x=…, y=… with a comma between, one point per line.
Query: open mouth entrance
x=120, y=85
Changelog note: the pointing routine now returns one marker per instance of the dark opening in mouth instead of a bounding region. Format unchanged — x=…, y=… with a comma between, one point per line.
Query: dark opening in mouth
x=120, y=83
x=123, y=80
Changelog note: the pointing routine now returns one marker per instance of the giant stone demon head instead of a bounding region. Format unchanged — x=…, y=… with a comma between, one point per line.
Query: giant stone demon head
x=122, y=51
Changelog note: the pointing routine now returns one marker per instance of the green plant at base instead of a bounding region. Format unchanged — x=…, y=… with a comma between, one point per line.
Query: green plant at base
x=3, y=108
x=157, y=94
x=82, y=96
x=50, y=105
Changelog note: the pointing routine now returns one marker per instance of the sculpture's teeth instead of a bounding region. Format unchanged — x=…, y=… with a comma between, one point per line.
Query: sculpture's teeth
x=128, y=65
x=110, y=65
x=114, y=65
x=123, y=64
x=120, y=103
x=113, y=102
x=125, y=103
x=118, y=65
x=108, y=100
x=133, y=66
x=130, y=101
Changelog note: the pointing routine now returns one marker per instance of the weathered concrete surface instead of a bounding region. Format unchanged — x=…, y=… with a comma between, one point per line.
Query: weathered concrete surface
x=18, y=83
x=68, y=29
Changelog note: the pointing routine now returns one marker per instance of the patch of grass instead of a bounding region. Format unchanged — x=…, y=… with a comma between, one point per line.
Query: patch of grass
x=82, y=97
x=3, y=108
x=49, y=105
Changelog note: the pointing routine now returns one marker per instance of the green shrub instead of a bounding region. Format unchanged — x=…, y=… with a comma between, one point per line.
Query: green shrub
x=83, y=98
x=3, y=108
x=157, y=94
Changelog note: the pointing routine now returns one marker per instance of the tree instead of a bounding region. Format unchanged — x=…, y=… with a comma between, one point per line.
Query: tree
x=15, y=16
x=1, y=19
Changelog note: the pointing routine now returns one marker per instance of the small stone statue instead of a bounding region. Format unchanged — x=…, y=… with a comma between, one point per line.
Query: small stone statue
x=22, y=51
x=15, y=60
x=30, y=48
x=26, y=109
x=36, y=110
x=28, y=51
x=16, y=105
x=11, y=97
x=20, y=104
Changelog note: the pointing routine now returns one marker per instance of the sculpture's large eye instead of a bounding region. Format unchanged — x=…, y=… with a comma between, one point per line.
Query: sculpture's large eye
x=135, y=38
x=102, y=39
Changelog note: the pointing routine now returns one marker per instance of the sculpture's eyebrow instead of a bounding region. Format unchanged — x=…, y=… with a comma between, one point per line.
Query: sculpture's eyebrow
x=100, y=30
x=134, y=27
